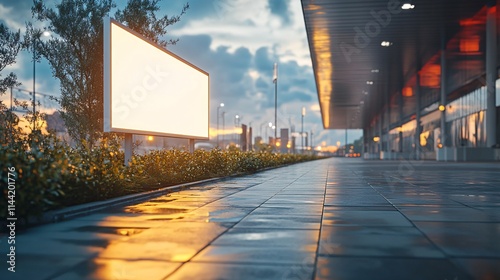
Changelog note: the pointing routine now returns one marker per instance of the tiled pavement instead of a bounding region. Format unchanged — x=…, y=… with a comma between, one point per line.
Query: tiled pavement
x=327, y=219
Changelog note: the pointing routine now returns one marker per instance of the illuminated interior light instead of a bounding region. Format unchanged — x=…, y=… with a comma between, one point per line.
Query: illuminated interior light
x=442, y=108
x=369, y=82
x=386, y=44
x=376, y=139
x=322, y=42
x=407, y=92
x=407, y=6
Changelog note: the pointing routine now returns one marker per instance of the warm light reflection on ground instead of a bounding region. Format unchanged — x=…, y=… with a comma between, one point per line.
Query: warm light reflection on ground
x=267, y=226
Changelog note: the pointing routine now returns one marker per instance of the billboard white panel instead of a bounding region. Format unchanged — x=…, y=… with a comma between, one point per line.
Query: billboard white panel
x=149, y=90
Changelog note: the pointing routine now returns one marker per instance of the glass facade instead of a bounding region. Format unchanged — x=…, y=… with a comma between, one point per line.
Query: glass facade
x=429, y=137
x=466, y=120
x=498, y=91
x=408, y=129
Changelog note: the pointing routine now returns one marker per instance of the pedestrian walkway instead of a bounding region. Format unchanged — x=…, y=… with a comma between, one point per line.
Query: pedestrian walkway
x=327, y=219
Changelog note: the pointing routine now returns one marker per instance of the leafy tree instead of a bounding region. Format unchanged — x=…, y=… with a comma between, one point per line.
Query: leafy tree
x=10, y=44
x=76, y=54
x=140, y=16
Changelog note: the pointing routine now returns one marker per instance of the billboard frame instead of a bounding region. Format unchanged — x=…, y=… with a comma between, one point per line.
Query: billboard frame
x=107, y=83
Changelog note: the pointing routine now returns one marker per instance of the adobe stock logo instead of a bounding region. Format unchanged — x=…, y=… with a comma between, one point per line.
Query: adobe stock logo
x=151, y=80
x=363, y=37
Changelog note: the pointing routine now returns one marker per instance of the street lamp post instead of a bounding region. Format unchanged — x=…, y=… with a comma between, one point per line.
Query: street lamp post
x=275, y=80
x=223, y=126
x=302, y=129
x=218, y=116
x=312, y=147
x=236, y=124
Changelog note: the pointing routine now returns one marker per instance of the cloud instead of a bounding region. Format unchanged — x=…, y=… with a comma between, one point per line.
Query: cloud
x=249, y=24
x=243, y=81
x=15, y=13
x=263, y=61
x=281, y=9
x=237, y=42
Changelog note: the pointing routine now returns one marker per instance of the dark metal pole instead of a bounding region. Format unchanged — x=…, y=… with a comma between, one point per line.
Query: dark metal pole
x=218, y=132
x=34, y=95
x=275, y=80
x=302, y=135
x=276, y=109
x=491, y=75
x=443, y=101
x=223, y=127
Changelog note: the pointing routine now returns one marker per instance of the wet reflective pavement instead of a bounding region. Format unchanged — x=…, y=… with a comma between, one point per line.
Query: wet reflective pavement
x=327, y=219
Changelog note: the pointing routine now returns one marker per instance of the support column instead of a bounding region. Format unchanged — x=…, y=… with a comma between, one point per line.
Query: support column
x=400, y=101
x=491, y=74
x=388, y=104
x=128, y=148
x=418, y=147
x=443, y=100
x=191, y=145
x=380, y=124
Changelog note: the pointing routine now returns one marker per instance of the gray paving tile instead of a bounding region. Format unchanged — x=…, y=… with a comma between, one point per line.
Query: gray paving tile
x=106, y=269
x=376, y=241
x=480, y=268
x=365, y=218
x=447, y=214
x=211, y=271
x=257, y=237
x=280, y=209
x=252, y=255
x=464, y=239
x=280, y=222
x=387, y=269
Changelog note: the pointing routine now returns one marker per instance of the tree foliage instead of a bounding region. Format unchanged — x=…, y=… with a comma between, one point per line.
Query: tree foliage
x=10, y=44
x=140, y=16
x=75, y=54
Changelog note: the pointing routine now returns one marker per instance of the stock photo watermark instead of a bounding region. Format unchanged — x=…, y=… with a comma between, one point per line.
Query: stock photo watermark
x=11, y=218
x=225, y=7
x=364, y=35
x=139, y=93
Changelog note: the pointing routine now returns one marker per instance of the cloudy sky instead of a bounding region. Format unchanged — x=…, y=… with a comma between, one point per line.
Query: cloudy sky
x=237, y=42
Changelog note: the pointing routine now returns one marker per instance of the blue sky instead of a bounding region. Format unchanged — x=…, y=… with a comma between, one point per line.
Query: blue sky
x=237, y=42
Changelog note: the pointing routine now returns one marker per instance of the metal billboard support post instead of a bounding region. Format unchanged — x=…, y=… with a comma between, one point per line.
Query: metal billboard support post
x=191, y=145
x=128, y=147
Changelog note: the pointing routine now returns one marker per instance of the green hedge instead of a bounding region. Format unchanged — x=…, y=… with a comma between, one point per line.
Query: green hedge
x=51, y=175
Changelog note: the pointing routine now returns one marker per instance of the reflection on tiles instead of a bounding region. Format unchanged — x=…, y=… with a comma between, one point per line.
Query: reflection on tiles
x=212, y=271
x=359, y=219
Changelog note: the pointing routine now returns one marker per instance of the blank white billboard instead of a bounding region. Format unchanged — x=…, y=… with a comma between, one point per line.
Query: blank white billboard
x=149, y=90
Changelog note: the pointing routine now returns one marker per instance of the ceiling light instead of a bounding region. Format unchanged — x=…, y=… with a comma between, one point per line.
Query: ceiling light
x=407, y=6
x=369, y=82
x=375, y=70
x=386, y=44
